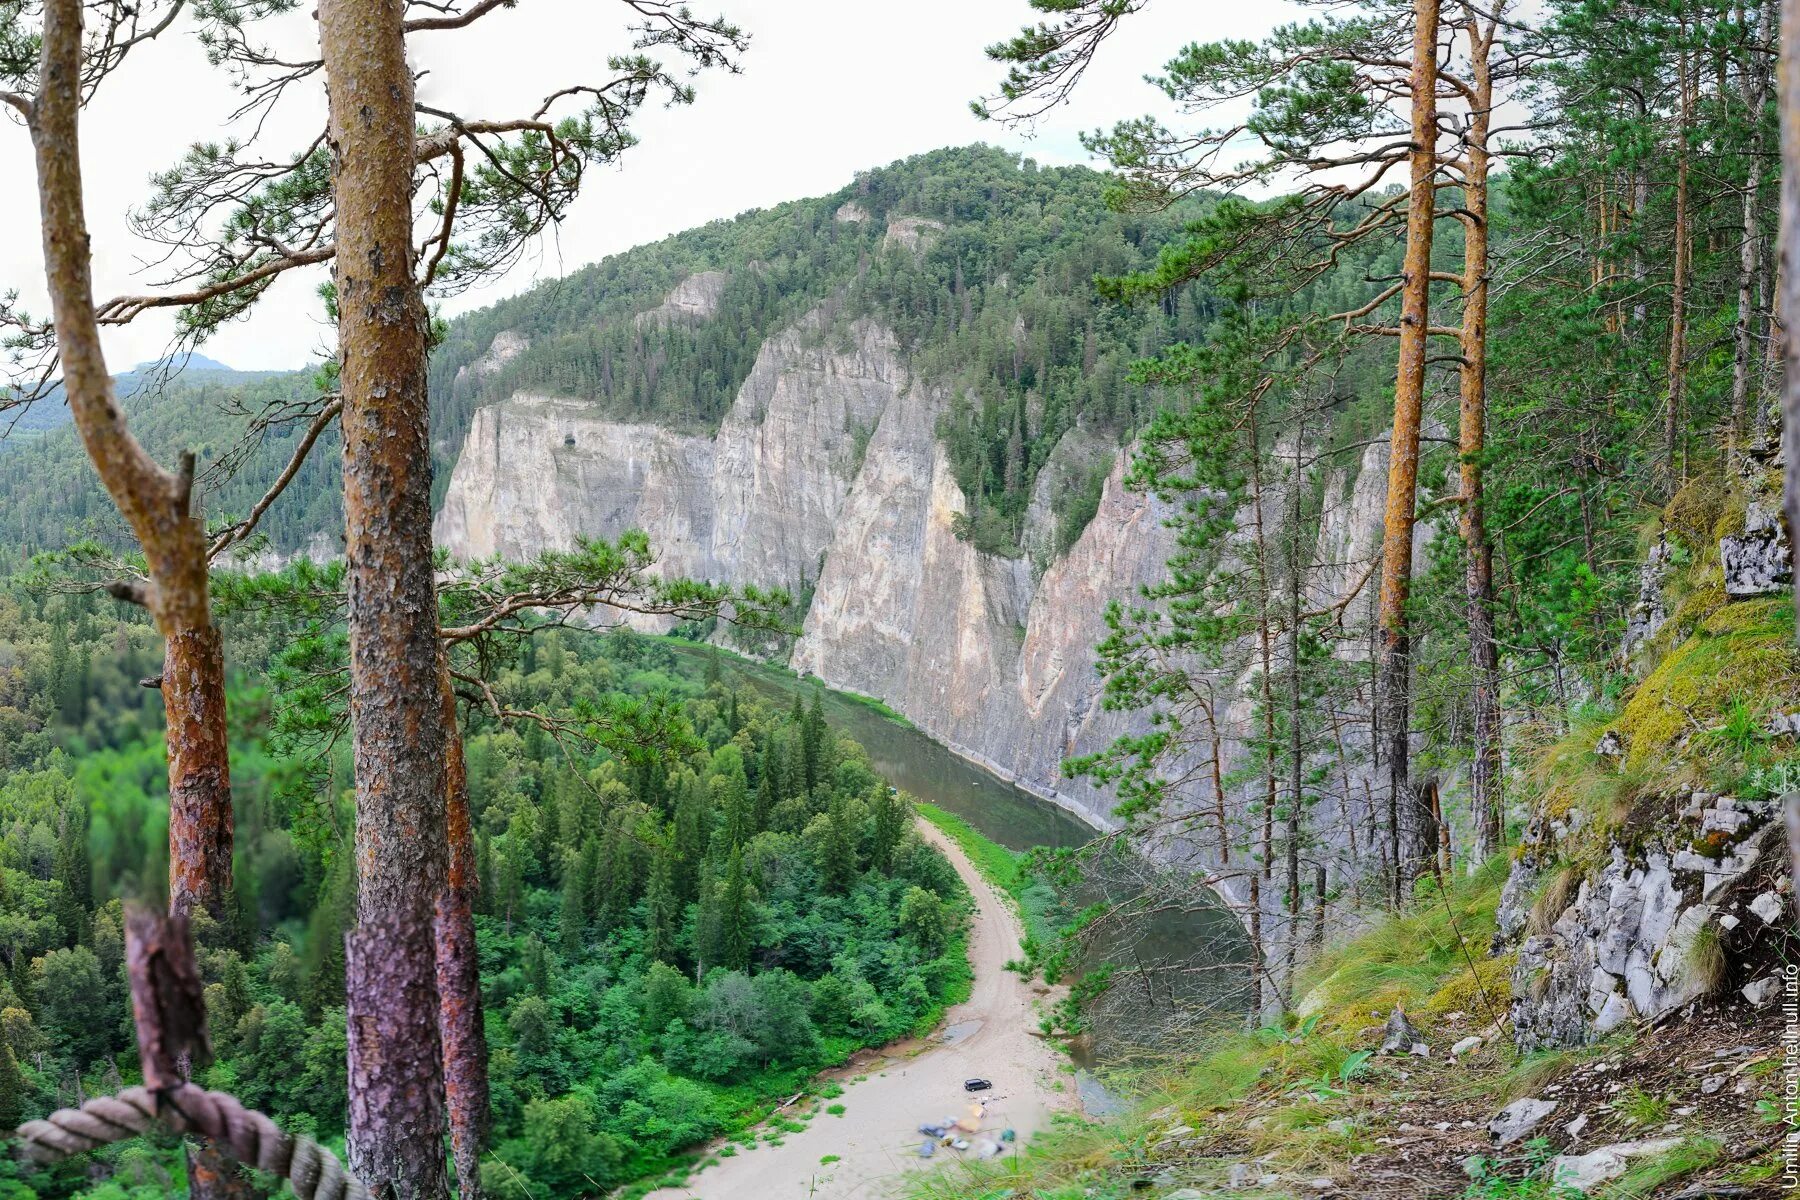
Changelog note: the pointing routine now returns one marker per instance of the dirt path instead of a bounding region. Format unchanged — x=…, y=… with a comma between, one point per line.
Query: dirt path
x=877, y=1138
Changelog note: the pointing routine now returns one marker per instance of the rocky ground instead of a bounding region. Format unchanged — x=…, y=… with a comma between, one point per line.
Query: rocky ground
x=1680, y=1111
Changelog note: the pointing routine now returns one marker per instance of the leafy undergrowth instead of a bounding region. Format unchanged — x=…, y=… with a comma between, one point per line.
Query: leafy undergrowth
x=1306, y=1108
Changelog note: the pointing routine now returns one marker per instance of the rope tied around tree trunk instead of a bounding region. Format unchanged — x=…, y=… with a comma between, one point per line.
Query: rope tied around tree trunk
x=169, y=1008
x=249, y=1136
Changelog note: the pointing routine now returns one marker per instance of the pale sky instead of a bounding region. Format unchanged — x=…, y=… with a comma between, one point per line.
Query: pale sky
x=828, y=87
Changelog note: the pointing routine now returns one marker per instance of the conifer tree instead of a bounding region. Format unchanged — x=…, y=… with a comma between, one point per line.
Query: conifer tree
x=736, y=933
x=663, y=909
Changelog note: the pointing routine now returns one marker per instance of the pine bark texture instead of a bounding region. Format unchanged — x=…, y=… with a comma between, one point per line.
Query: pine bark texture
x=396, y=1067
x=459, y=971
x=1410, y=834
x=1485, y=770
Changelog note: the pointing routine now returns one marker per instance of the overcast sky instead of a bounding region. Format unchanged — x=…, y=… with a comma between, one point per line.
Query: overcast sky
x=829, y=87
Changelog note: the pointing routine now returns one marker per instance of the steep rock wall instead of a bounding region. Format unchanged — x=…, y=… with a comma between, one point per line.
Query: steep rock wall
x=758, y=502
x=827, y=475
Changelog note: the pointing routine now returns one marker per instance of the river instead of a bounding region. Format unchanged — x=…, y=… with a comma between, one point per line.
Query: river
x=1129, y=1019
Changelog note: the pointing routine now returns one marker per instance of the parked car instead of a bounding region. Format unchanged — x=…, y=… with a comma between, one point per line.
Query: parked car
x=977, y=1085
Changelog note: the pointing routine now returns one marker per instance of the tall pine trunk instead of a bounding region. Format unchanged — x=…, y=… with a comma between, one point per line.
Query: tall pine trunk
x=1678, y=285
x=1409, y=830
x=1743, y=329
x=396, y=1067
x=1789, y=289
x=459, y=971
x=1486, y=769
x=157, y=504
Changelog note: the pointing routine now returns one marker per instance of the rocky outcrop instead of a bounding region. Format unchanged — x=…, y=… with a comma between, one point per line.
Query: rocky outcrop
x=966, y=644
x=1759, y=560
x=507, y=345
x=827, y=477
x=912, y=233
x=757, y=502
x=1650, y=611
x=694, y=299
x=1632, y=943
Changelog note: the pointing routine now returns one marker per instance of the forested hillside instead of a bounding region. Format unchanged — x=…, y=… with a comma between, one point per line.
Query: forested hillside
x=726, y=842
x=994, y=301
x=1371, y=498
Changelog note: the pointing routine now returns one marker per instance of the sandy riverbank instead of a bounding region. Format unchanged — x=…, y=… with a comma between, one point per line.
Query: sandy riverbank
x=877, y=1137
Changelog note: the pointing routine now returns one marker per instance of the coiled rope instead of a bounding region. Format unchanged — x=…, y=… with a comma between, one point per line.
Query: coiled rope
x=245, y=1134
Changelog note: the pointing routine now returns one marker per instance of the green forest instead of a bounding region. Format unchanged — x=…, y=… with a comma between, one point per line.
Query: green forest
x=674, y=931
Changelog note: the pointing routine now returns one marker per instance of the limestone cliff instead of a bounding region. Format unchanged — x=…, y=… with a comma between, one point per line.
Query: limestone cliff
x=827, y=476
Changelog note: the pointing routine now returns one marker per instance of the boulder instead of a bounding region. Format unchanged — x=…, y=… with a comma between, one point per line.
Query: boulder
x=1400, y=1036
x=1764, y=991
x=1585, y=1172
x=1515, y=1122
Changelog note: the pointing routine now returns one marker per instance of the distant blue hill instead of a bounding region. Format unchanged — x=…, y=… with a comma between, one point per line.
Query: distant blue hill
x=193, y=362
x=51, y=413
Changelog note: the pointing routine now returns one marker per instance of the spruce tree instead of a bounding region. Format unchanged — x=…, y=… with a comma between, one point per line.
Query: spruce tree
x=736, y=919
x=662, y=905
x=578, y=884
x=13, y=1089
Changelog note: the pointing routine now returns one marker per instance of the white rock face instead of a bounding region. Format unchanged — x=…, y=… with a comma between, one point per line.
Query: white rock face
x=827, y=474
x=914, y=233
x=693, y=300
x=962, y=642
x=507, y=345
x=756, y=503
